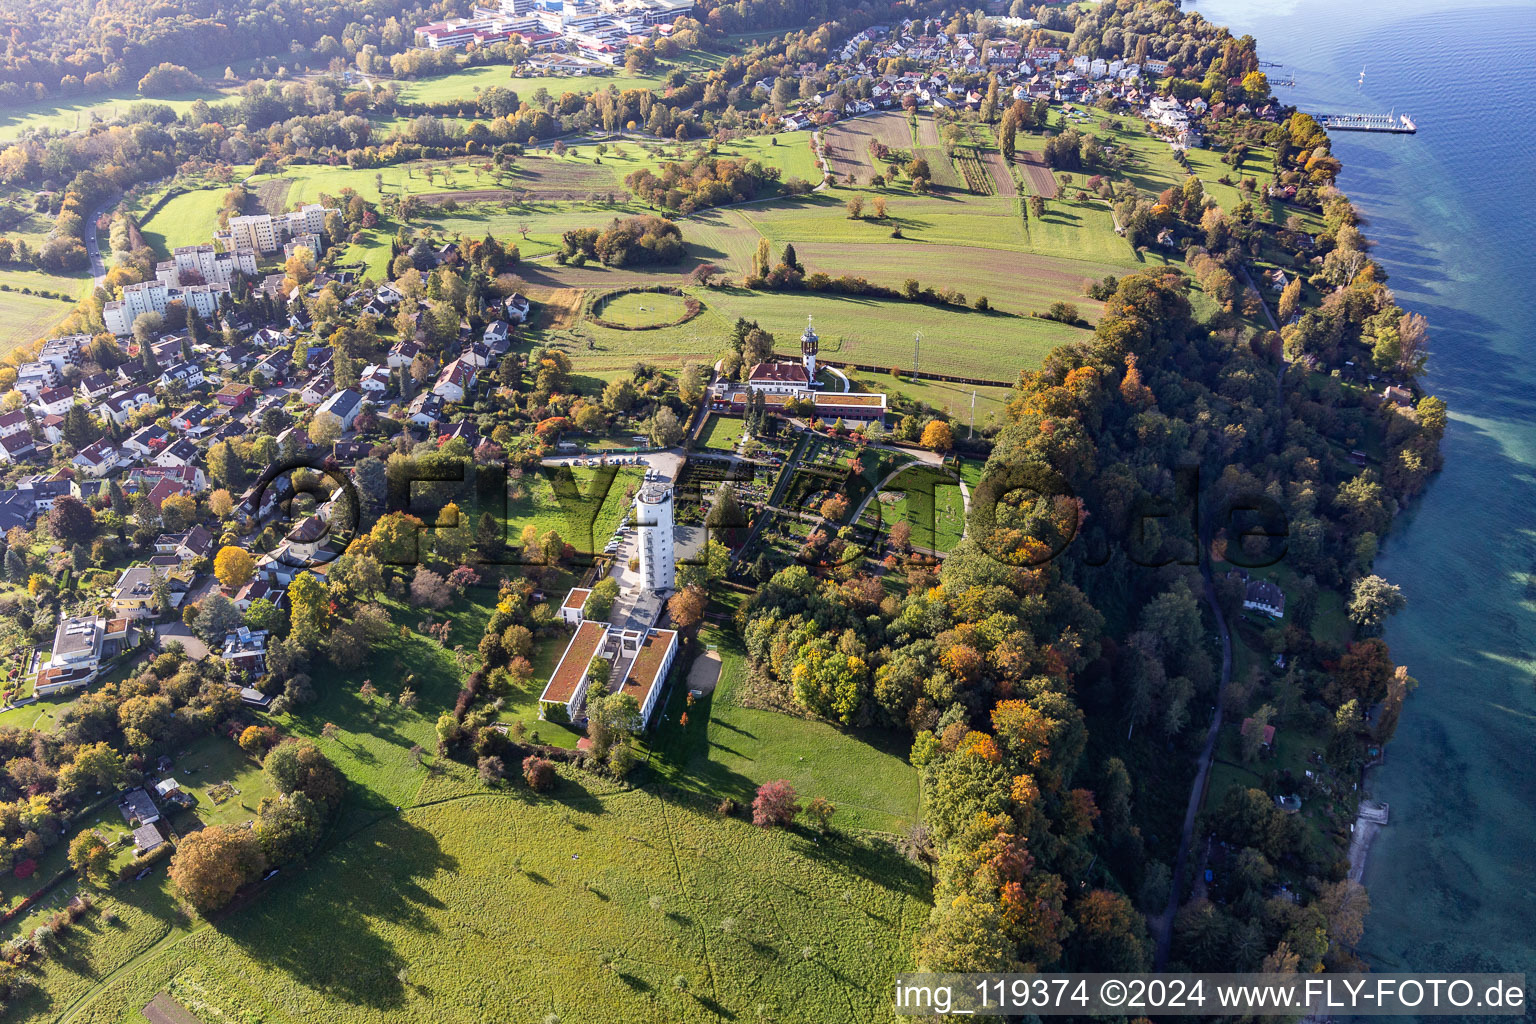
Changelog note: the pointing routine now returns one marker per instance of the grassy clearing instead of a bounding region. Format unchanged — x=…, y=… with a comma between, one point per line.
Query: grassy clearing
x=188, y=219
x=522, y=704
x=27, y=318
x=424, y=902
x=466, y=82
x=927, y=501
x=722, y=433
x=954, y=399
x=643, y=309
x=728, y=750
x=878, y=332
x=585, y=519
x=71, y=115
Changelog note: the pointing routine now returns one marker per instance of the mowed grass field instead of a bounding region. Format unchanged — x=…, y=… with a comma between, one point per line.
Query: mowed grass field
x=642, y=309
x=591, y=904
x=187, y=219
x=728, y=750
x=26, y=318
x=71, y=115
x=586, y=518
x=467, y=82
x=874, y=332
x=954, y=399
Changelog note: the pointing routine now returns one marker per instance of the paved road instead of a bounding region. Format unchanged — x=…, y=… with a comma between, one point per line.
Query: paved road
x=93, y=245
x=1162, y=925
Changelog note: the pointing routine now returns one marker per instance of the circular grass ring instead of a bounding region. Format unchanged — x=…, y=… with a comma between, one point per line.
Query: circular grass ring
x=692, y=307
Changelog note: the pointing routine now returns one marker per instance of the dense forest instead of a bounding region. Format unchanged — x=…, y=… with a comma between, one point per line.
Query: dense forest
x=1061, y=653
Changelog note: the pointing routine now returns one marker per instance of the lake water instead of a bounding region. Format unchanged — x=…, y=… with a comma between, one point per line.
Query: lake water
x=1453, y=208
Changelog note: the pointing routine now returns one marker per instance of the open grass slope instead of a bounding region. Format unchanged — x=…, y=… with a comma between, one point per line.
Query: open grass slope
x=187, y=219
x=584, y=517
x=65, y=115
x=26, y=318
x=465, y=83
x=728, y=750
x=503, y=907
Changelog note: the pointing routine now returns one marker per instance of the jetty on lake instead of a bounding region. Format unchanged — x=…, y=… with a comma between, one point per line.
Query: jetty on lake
x=1392, y=124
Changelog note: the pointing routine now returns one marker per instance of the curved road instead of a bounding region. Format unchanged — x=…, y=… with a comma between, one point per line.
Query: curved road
x=93, y=244
x=1162, y=925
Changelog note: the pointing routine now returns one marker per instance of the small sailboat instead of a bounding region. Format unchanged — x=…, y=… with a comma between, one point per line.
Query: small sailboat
x=1361, y=84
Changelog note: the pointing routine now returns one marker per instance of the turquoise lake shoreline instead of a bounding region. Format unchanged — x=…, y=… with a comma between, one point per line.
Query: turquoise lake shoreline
x=1453, y=877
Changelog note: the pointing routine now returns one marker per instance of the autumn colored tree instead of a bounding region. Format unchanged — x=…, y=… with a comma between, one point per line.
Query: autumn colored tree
x=211, y=864
x=309, y=606
x=775, y=804
x=253, y=740
x=234, y=567
x=820, y=810
x=538, y=773
x=71, y=520
x=1110, y=934
x=91, y=857
x=938, y=437
x=686, y=607
x=298, y=765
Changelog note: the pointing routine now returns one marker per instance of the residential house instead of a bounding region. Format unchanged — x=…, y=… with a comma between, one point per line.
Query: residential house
x=96, y=386
x=245, y=651
x=120, y=406
x=80, y=645
x=17, y=447
x=427, y=409
x=190, y=417
x=148, y=440
x=187, y=546
x=402, y=353
x=317, y=389
x=98, y=458
x=44, y=490
x=258, y=590
x=133, y=596
x=188, y=375
x=54, y=401
x=516, y=307
x=14, y=423
x=188, y=479
x=374, y=382
x=497, y=337
x=138, y=809
x=178, y=453
x=456, y=380
x=1264, y=596
x=344, y=405
x=235, y=396
x=274, y=367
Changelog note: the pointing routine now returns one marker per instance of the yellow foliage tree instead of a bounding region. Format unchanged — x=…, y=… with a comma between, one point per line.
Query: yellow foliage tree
x=234, y=567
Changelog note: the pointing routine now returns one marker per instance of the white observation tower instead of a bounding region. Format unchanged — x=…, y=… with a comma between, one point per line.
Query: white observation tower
x=653, y=523
x=809, y=345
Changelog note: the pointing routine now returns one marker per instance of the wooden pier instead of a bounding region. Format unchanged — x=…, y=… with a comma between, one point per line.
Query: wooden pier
x=1392, y=124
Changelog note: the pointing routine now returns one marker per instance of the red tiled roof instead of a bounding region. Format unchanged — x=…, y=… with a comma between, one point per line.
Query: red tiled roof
x=645, y=670
x=573, y=664
x=783, y=373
